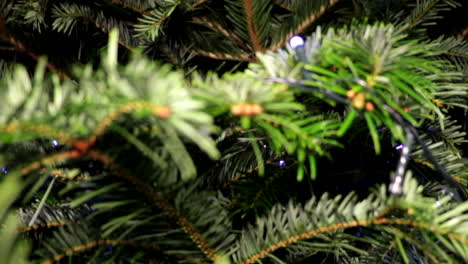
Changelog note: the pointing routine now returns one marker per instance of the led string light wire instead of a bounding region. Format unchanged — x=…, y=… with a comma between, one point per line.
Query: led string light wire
x=396, y=186
x=306, y=88
x=412, y=136
x=461, y=195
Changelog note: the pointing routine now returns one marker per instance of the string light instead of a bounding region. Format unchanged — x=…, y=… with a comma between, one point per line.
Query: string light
x=296, y=41
x=4, y=170
x=396, y=186
x=282, y=163
x=359, y=233
x=55, y=143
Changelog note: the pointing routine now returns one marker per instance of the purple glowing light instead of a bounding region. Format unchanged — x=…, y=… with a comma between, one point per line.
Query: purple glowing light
x=55, y=143
x=282, y=163
x=296, y=41
x=399, y=146
x=4, y=170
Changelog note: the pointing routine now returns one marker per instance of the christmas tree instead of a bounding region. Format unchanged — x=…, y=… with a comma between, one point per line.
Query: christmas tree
x=268, y=131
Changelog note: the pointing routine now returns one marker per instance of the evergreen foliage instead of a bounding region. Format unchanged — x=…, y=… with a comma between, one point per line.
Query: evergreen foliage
x=218, y=30
x=346, y=149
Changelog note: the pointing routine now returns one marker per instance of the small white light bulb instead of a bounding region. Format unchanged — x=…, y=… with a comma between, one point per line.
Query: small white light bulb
x=296, y=41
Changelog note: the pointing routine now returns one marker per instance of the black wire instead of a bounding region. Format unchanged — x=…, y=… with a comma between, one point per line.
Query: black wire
x=396, y=186
x=410, y=129
x=411, y=136
x=462, y=196
x=304, y=87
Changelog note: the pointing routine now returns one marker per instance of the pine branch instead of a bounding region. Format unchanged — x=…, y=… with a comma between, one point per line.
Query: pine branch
x=139, y=185
x=463, y=34
x=12, y=250
x=7, y=48
x=169, y=55
x=425, y=12
x=254, y=38
x=345, y=225
x=162, y=112
x=65, y=19
x=218, y=56
x=284, y=5
x=66, y=175
x=40, y=130
x=150, y=25
x=98, y=25
x=219, y=28
x=158, y=201
x=302, y=26
x=123, y=103
x=90, y=245
x=427, y=7
x=199, y=2
x=31, y=12
x=81, y=145
x=252, y=171
x=261, y=191
x=240, y=176
x=133, y=8
x=45, y=226
x=292, y=224
x=49, y=160
x=388, y=250
x=20, y=47
x=414, y=242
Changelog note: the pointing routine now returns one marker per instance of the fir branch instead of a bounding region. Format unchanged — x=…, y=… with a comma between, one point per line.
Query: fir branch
x=82, y=146
x=41, y=130
x=258, y=195
x=345, y=225
x=24, y=229
x=414, y=242
x=219, y=28
x=463, y=34
x=254, y=38
x=20, y=47
x=65, y=13
x=150, y=25
x=64, y=175
x=430, y=165
x=283, y=5
x=162, y=112
x=133, y=8
x=425, y=12
x=389, y=249
x=306, y=23
x=413, y=214
x=90, y=245
x=32, y=12
x=158, y=201
x=239, y=177
x=171, y=58
x=123, y=44
x=7, y=48
x=323, y=218
x=199, y=2
x=427, y=8
x=225, y=56
x=253, y=170
x=456, y=54
x=63, y=156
